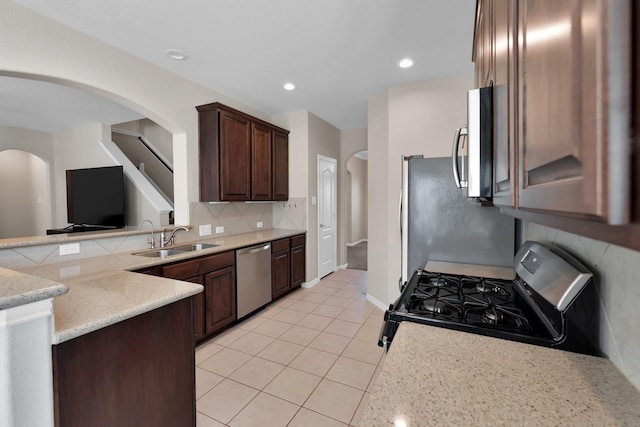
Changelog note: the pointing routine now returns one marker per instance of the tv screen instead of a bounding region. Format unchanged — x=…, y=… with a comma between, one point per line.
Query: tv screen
x=95, y=197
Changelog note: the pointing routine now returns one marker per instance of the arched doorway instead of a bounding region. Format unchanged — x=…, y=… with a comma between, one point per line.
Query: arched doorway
x=24, y=188
x=357, y=213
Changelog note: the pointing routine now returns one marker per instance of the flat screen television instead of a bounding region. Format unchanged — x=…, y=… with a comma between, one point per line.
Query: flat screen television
x=95, y=197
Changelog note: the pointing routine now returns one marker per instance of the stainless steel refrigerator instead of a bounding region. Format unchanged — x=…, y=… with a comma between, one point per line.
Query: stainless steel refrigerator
x=439, y=223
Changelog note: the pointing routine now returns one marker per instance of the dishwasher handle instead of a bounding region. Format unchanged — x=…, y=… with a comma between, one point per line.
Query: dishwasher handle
x=254, y=249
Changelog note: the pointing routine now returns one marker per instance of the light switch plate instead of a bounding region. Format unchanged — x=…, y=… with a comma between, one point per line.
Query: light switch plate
x=205, y=230
x=314, y=200
x=70, y=249
x=220, y=229
x=259, y=224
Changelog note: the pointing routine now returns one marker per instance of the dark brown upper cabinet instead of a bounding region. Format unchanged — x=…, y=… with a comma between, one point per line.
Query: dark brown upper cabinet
x=261, y=162
x=242, y=158
x=280, y=165
x=562, y=93
x=574, y=108
x=566, y=112
x=494, y=55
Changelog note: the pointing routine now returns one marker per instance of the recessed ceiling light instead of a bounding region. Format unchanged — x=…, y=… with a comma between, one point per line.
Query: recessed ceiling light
x=289, y=86
x=176, y=54
x=406, y=63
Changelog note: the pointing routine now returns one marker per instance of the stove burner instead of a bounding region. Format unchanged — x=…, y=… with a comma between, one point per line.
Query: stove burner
x=490, y=316
x=484, y=287
x=437, y=282
x=437, y=307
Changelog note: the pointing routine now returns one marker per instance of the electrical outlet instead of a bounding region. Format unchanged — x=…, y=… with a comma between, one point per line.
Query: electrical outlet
x=259, y=224
x=205, y=230
x=220, y=229
x=70, y=249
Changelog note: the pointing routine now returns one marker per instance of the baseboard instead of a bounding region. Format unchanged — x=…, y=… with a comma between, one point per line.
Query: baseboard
x=342, y=267
x=373, y=300
x=311, y=284
x=358, y=242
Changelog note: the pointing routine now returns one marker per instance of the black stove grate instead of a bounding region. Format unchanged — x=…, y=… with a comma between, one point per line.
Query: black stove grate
x=488, y=304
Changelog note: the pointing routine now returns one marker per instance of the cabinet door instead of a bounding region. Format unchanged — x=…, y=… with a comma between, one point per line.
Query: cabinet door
x=235, y=157
x=298, y=271
x=198, y=310
x=280, y=273
x=483, y=45
x=261, y=162
x=220, y=299
x=574, y=109
x=504, y=103
x=137, y=372
x=280, y=165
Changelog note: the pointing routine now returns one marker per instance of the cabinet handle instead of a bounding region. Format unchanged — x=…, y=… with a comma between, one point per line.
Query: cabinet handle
x=460, y=132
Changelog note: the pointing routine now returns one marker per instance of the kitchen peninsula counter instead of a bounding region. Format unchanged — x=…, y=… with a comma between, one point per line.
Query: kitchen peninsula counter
x=434, y=376
x=103, y=290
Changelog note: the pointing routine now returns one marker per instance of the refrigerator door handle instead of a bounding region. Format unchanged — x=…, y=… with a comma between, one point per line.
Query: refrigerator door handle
x=403, y=261
x=460, y=132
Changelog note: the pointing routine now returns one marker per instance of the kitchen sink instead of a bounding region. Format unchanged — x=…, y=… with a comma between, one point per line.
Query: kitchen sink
x=159, y=253
x=176, y=250
x=194, y=247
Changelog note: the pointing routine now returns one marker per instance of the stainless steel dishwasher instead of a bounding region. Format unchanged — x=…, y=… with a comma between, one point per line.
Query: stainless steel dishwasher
x=253, y=267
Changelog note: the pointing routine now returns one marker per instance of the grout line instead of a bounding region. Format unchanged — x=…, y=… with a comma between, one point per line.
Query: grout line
x=291, y=325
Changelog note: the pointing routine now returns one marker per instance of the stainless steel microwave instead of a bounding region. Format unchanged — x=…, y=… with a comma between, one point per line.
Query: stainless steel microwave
x=473, y=161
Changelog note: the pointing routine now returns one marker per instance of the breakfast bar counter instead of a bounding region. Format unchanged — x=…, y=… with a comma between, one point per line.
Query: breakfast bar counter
x=434, y=376
x=103, y=290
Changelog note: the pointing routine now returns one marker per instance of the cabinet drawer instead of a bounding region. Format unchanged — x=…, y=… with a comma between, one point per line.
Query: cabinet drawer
x=298, y=240
x=187, y=269
x=280, y=245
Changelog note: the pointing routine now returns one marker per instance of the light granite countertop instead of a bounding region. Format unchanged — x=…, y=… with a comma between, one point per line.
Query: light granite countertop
x=434, y=376
x=20, y=289
x=103, y=290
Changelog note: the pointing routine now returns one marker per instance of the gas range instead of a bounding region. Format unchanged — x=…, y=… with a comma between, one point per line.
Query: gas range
x=548, y=303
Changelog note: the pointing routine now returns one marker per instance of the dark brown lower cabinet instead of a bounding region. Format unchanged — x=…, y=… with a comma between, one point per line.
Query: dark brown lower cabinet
x=215, y=307
x=287, y=265
x=298, y=261
x=138, y=372
x=199, y=330
x=220, y=299
x=280, y=267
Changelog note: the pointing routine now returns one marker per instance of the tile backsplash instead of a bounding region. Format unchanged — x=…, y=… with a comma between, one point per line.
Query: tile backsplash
x=238, y=217
x=234, y=217
x=616, y=272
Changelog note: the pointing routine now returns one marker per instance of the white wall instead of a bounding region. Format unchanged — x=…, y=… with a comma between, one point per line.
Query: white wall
x=310, y=136
x=324, y=139
x=382, y=230
x=298, y=125
x=25, y=207
x=351, y=142
x=39, y=144
x=357, y=211
x=417, y=118
x=77, y=148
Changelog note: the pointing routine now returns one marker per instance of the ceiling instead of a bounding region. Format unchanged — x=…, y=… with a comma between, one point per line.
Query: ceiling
x=338, y=53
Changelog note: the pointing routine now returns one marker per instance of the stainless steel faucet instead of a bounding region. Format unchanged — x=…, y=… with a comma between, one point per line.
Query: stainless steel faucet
x=169, y=241
x=151, y=240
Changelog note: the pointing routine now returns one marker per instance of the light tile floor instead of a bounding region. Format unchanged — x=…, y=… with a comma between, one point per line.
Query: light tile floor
x=309, y=359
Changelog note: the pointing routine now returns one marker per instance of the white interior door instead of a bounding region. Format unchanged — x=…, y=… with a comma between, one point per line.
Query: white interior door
x=327, y=215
